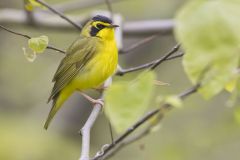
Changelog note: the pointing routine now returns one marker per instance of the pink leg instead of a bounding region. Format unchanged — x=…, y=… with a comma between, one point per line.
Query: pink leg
x=94, y=101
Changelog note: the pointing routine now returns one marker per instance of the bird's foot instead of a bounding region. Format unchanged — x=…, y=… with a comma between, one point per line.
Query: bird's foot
x=99, y=101
x=93, y=101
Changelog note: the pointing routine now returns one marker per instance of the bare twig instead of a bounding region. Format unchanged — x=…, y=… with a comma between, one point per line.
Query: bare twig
x=28, y=37
x=180, y=54
x=144, y=119
x=111, y=131
x=79, y=27
x=56, y=49
x=174, y=49
x=16, y=33
x=138, y=44
x=152, y=64
x=189, y=91
x=85, y=131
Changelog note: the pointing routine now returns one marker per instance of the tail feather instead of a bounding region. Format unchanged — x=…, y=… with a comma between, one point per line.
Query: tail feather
x=53, y=111
x=58, y=101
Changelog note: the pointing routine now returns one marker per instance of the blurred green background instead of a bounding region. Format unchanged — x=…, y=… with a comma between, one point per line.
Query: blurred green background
x=200, y=130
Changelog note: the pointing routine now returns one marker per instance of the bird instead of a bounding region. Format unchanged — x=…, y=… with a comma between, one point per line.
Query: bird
x=90, y=60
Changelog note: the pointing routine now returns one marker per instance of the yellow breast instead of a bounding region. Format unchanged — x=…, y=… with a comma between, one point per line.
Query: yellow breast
x=102, y=66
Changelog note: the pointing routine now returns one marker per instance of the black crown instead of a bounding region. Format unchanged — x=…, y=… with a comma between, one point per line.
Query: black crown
x=102, y=19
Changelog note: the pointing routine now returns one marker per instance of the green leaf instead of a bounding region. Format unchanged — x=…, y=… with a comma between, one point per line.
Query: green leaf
x=31, y=4
x=38, y=44
x=126, y=102
x=174, y=101
x=209, y=34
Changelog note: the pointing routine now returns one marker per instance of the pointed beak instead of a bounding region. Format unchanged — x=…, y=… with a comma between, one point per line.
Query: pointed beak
x=113, y=26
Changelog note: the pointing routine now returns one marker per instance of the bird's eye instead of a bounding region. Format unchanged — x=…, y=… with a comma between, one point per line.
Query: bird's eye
x=100, y=26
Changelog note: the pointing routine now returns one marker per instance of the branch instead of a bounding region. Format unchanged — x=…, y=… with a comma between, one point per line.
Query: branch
x=174, y=49
x=175, y=56
x=28, y=37
x=16, y=33
x=165, y=107
x=85, y=131
x=79, y=27
x=154, y=63
x=49, y=21
x=138, y=44
x=56, y=49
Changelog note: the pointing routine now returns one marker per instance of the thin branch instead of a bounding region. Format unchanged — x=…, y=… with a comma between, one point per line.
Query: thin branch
x=152, y=64
x=28, y=37
x=56, y=49
x=144, y=119
x=79, y=27
x=180, y=54
x=175, y=49
x=138, y=44
x=189, y=91
x=16, y=33
x=111, y=131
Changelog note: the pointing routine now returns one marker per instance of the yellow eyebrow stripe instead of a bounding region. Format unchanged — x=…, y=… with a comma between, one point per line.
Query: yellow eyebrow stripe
x=99, y=22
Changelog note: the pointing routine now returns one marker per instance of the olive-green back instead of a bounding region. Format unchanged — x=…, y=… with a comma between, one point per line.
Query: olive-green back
x=77, y=56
